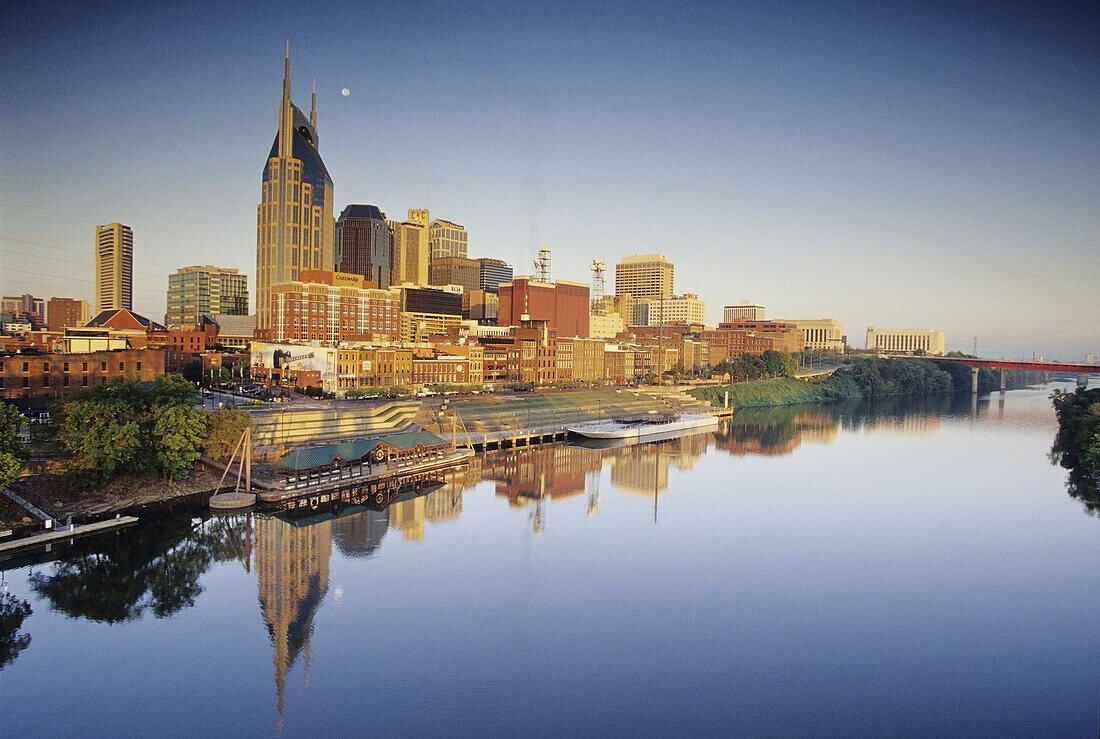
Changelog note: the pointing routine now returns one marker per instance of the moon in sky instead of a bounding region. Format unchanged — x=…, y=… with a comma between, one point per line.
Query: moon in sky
x=345, y=92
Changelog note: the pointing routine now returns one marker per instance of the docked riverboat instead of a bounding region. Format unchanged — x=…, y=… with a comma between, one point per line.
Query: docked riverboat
x=644, y=426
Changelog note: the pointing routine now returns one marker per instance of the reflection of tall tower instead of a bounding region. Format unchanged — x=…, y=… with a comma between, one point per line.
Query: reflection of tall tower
x=292, y=569
x=442, y=504
x=641, y=469
x=408, y=515
x=294, y=223
x=360, y=535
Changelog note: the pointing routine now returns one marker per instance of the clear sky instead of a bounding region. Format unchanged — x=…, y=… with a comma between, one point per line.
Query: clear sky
x=925, y=165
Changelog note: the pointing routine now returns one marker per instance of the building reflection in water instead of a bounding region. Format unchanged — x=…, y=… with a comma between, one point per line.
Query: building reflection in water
x=292, y=569
x=360, y=535
x=292, y=555
x=292, y=563
x=441, y=504
x=527, y=478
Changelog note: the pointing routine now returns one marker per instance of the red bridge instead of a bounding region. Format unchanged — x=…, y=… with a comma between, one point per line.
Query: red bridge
x=1073, y=368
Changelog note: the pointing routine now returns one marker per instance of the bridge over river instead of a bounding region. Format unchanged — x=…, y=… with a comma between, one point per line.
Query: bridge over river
x=1073, y=368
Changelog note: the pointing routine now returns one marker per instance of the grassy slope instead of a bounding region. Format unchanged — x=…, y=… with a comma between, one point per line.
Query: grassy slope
x=780, y=391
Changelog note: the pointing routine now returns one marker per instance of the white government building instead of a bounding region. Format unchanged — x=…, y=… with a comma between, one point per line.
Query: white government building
x=905, y=340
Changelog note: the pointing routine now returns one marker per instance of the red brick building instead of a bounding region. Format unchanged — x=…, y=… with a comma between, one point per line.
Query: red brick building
x=54, y=375
x=563, y=305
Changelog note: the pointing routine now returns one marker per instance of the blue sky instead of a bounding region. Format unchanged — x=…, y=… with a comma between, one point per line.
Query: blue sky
x=932, y=166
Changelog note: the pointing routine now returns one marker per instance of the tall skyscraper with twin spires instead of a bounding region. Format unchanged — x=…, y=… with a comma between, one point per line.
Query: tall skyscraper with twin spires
x=295, y=228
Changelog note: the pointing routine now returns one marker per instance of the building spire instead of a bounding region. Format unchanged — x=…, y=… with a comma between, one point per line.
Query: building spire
x=286, y=74
x=286, y=113
x=313, y=106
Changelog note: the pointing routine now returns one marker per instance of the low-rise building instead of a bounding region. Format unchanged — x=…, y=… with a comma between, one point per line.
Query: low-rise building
x=822, y=334
x=687, y=308
x=360, y=368
x=63, y=313
x=438, y=368
x=56, y=374
x=746, y=310
x=426, y=311
x=784, y=337
x=563, y=305
x=913, y=341
x=234, y=332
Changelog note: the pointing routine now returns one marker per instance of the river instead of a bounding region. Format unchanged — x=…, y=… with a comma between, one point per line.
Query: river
x=911, y=567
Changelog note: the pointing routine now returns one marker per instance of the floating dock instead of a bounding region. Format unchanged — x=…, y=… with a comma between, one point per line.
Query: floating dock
x=66, y=534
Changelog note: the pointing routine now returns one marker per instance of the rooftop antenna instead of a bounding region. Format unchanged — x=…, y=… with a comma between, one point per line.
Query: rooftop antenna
x=542, y=265
x=599, y=269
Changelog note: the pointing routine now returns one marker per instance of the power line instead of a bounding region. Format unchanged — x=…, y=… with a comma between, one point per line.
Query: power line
x=169, y=267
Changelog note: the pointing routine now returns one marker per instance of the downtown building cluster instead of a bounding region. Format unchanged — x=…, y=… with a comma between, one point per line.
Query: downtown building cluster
x=360, y=301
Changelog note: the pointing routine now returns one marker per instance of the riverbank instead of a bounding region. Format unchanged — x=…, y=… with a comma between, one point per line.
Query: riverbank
x=470, y=415
x=776, y=392
x=49, y=493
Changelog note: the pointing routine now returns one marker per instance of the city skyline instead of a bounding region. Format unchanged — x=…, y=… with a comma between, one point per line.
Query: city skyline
x=880, y=166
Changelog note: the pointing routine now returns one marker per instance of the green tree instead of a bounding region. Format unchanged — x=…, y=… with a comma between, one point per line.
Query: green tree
x=100, y=437
x=177, y=433
x=170, y=390
x=773, y=363
x=1077, y=443
x=224, y=429
x=12, y=454
x=126, y=426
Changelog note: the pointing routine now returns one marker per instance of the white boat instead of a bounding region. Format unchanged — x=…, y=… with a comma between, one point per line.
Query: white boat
x=637, y=427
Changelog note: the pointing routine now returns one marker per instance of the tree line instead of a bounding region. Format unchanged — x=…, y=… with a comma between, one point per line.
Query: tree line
x=155, y=428
x=861, y=377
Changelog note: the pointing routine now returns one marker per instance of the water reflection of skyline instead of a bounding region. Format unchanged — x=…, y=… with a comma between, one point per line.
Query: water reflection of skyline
x=292, y=554
x=292, y=564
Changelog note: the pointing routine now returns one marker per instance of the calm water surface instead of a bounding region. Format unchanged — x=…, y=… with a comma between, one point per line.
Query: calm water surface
x=901, y=569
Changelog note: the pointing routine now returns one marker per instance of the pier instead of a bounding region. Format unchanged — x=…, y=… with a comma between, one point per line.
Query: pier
x=66, y=533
